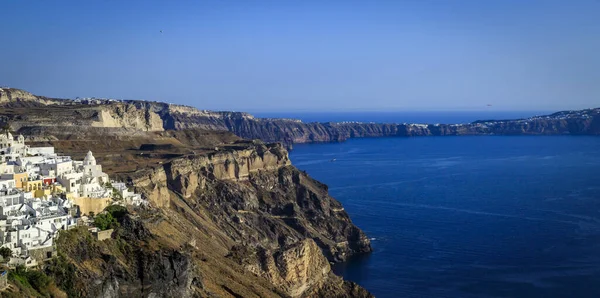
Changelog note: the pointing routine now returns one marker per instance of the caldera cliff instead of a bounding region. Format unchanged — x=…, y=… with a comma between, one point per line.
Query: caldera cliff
x=26, y=112
x=227, y=218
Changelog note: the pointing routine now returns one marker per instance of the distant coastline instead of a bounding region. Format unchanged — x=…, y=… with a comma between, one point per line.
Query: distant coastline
x=429, y=117
x=24, y=111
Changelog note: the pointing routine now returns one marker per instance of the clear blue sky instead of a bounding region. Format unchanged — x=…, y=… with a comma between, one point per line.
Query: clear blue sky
x=310, y=55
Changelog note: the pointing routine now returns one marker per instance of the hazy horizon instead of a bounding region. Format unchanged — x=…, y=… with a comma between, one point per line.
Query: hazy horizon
x=282, y=56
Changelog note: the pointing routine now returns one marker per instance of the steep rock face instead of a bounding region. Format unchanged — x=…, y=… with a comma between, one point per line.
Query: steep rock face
x=8, y=95
x=207, y=203
x=268, y=217
x=153, y=184
x=12, y=97
x=127, y=116
x=229, y=164
x=163, y=254
x=257, y=198
x=295, y=269
x=155, y=116
x=300, y=270
x=82, y=118
x=122, y=267
x=289, y=131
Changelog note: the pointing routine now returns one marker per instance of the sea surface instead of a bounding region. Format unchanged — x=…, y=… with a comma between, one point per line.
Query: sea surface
x=470, y=216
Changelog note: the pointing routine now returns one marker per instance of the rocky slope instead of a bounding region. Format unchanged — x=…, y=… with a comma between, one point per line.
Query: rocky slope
x=255, y=196
x=25, y=111
x=585, y=122
x=228, y=218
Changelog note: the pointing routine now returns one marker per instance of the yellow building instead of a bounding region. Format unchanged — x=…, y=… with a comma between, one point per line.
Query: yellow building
x=20, y=179
x=40, y=193
x=33, y=185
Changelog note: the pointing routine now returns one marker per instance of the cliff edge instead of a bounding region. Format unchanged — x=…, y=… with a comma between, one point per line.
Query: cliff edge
x=25, y=111
x=227, y=218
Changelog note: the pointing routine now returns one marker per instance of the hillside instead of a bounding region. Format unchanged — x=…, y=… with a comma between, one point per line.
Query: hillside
x=227, y=218
x=26, y=112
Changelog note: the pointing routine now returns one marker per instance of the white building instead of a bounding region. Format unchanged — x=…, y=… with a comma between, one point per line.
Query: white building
x=32, y=225
x=128, y=196
x=31, y=208
x=6, y=184
x=11, y=149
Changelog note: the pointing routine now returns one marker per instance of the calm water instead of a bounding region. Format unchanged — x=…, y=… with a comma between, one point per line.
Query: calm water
x=469, y=216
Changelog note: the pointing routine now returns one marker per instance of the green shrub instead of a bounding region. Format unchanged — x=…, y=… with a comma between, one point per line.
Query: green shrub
x=105, y=221
x=32, y=279
x=64, y=274
x=38, y=280
x=116, y=211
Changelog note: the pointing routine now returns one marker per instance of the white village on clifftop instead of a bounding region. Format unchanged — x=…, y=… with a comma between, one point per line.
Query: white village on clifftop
x=42, y=193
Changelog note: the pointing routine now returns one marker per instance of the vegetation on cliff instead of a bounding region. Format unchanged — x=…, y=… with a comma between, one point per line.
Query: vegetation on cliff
x=30, y=283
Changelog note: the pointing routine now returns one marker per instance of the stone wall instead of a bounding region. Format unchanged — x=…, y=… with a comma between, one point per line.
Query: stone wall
x=41, y=254
x=103, y=235
x=87, y=205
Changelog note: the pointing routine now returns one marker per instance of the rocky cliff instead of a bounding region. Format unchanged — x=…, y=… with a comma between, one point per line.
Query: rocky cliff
x=228, y=217
x=18, y=97
x=585, y=122
x=255, y=196
x=25, y=111
x=234, y=221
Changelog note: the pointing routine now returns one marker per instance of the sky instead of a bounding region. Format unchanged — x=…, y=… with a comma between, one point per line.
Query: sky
x=308, y=55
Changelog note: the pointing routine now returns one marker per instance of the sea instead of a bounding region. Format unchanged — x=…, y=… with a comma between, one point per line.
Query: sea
x=466, y=216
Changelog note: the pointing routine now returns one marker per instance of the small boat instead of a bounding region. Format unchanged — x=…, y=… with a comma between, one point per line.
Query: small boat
x=332, y=160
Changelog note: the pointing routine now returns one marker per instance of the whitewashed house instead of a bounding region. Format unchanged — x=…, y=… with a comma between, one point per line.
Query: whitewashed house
x=38, y=191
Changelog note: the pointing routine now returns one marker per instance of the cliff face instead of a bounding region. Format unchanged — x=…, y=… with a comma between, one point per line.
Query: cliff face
x=290, y=132
x=126, y=116
x=256, y=197
x=16, y=97
x=9, y=95
x=300, y=270
x=129, y=265
x=21, y=111
x=240, y=221
x=229, y=218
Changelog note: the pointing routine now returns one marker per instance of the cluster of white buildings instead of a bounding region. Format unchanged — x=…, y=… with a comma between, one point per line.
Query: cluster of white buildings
x=42, y=193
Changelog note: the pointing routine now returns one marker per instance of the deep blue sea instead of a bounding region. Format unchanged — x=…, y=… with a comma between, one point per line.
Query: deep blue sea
x=486, y=216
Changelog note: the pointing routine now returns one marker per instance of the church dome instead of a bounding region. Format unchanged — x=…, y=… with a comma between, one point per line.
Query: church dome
x=89, y=160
